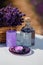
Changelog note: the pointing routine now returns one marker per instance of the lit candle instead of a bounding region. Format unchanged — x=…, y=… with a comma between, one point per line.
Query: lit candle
x=11, y=38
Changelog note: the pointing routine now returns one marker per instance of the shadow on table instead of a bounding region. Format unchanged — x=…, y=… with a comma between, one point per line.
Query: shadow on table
x=31, y=53
x=2, y=44
x=38, y=43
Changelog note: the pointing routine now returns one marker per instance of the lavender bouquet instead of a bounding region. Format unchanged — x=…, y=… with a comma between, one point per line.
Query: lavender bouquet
x=11, y=16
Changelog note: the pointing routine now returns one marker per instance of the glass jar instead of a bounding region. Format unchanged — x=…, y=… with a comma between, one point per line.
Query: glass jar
x=26, y=37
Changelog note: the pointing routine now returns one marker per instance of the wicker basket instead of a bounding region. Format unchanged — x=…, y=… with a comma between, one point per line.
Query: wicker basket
x=3, y=33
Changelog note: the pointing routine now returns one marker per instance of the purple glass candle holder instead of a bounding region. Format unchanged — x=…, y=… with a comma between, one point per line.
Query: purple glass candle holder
x=11, y=38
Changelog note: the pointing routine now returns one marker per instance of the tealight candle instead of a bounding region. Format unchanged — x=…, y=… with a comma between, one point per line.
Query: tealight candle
x=11, y=38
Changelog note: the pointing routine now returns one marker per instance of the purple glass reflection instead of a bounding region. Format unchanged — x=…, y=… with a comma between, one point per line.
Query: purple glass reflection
x=11, y=38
